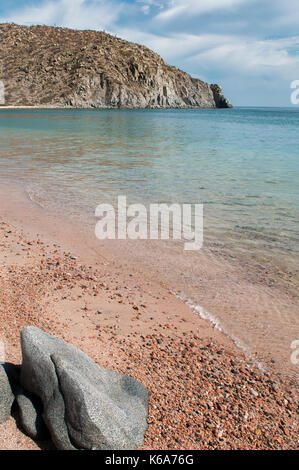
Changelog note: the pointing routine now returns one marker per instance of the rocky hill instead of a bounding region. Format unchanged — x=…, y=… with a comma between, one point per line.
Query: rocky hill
x=42, y=65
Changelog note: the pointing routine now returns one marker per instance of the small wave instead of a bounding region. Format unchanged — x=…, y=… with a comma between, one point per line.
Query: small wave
x=205, y=315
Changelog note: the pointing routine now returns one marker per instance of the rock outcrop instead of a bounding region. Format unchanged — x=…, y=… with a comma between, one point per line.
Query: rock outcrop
x=82, y=405
x=44, y=65
x=219, y=98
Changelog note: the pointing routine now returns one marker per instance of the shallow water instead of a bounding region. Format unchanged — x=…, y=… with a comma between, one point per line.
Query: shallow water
x=242, y=164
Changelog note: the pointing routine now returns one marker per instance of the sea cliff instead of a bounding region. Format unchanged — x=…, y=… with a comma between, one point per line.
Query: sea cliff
x=42, y=65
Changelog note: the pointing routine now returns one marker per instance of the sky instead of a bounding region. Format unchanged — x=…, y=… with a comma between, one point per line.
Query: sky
x=249, y=47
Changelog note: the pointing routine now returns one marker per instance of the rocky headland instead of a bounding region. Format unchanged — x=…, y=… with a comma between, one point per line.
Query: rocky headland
x=50, y=66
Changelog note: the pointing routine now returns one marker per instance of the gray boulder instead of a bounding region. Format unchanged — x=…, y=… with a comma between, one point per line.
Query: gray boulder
x=104, y=410
x=30, y=416
x=6, y=395
x=29, y=406
x=38, y=376
x=84, y=405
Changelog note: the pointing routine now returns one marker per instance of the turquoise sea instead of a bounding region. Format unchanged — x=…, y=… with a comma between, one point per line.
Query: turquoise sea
x=241, y=163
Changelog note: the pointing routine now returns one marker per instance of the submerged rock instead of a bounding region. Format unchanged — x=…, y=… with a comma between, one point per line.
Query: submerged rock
x=84, y=405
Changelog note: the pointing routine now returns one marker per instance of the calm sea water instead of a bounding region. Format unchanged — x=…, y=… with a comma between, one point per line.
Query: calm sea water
x=241, y=163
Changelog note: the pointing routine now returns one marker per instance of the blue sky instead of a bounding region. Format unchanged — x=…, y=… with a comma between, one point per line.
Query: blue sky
x=249, y=47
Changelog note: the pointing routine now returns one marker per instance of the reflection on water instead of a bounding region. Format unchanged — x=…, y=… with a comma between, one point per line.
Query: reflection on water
x=241, y=163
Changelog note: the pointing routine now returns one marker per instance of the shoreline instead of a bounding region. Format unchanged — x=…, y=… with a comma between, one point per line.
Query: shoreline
x=229, y=295
x=43, y=107
x=205, y=394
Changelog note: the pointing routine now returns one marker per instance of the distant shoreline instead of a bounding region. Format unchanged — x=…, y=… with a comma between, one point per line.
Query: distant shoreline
x=106, y=108
x=33, y=107
x=4, y=107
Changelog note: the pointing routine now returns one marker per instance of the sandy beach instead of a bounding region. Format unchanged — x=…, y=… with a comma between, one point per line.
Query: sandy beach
x=204, y=392
x=149, y=236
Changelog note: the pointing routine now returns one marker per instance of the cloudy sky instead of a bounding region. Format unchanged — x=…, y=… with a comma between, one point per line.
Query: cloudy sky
x=250, y=47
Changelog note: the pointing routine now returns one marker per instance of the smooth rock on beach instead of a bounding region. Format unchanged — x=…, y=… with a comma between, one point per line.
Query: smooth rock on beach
x=82, y=405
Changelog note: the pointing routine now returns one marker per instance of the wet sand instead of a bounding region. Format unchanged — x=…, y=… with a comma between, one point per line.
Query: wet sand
x=205, y=393
x=250, y=301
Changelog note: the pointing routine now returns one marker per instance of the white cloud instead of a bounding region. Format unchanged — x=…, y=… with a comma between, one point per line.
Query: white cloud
x=97, y=14
x=169, y=47
x=288, y=11
x=145, y=9
x=250, y=57
x=147, y=5
x=225, y=54
x=191, y=7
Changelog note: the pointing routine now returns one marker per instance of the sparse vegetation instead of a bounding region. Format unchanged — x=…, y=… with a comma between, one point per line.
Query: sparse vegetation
x=47, y=99
x=90, y=68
